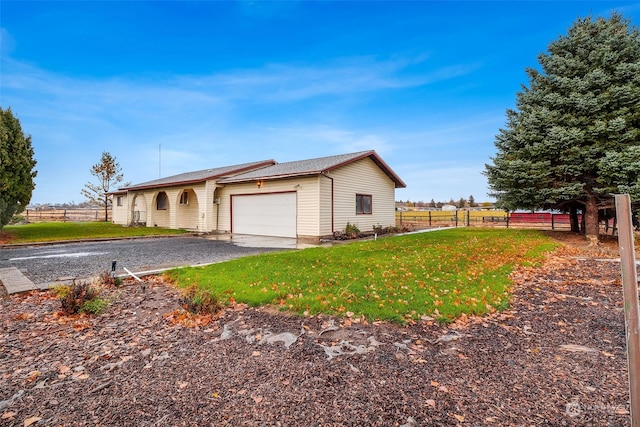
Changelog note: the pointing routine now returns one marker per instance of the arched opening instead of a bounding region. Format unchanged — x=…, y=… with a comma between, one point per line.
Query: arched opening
x=188, y=210
x=139, y=210
x=161, y=214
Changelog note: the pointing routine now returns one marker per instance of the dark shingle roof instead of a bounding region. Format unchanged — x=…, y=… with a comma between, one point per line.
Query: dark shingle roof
x=200, y=176
x=313, y=167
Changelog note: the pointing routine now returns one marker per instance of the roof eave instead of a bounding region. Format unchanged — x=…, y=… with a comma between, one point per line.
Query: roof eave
x=258, y=165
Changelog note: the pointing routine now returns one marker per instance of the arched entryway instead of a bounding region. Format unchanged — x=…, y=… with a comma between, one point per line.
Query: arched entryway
x=188, y=210
x=138, y=210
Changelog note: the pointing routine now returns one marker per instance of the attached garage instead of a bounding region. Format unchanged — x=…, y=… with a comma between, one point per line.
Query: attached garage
x=272, y=214
x=306, y=199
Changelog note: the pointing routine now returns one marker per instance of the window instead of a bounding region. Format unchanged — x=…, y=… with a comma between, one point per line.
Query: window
x=161, y=201
x=363, y=204
x=184, y=198
x=119, y=200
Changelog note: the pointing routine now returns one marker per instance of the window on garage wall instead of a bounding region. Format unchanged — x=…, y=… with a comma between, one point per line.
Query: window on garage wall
x=363, y=203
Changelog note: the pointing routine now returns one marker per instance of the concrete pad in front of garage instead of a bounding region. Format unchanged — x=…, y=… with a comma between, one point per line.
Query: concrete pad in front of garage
x=251, y=241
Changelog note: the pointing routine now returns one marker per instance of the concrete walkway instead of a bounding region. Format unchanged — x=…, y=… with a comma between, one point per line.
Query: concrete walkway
x=15, y=282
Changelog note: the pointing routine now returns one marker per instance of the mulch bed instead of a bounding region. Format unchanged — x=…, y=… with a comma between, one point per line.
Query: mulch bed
x=556, y=357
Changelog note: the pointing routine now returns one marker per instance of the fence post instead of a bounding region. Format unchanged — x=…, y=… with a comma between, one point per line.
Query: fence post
x=553, y=221
x=508, y=217
x=64, y=216
x=468, y=218
x=631, y=307
x=429, y=218
x=456, y=215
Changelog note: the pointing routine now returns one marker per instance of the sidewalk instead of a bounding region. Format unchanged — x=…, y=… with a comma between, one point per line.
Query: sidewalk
x=15, y=282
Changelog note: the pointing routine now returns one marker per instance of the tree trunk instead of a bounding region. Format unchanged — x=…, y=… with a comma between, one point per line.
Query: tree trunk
x=575, y=223
x=591, y=225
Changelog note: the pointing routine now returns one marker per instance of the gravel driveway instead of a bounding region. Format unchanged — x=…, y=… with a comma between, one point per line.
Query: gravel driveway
x=49, y=263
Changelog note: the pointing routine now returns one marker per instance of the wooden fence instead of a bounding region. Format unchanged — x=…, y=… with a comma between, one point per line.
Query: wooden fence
x=65, y=215
x=465, y=218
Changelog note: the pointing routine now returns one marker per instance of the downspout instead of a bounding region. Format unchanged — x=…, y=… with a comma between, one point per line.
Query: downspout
x=326, y=174
x=216, y=201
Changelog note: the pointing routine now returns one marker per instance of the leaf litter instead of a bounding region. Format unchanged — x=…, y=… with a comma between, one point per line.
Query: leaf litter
x=142, y=363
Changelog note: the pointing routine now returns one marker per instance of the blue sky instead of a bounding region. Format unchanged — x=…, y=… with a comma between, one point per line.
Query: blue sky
x=424, y=83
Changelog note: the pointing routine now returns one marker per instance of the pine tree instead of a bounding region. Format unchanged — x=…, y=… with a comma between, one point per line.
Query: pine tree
x=572, y=141
x=16, y=167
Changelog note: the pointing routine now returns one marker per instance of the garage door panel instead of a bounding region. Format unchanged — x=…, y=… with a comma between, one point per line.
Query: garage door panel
x=265, y=214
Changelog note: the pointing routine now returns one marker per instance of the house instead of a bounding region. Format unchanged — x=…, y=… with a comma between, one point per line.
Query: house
x=304, y=199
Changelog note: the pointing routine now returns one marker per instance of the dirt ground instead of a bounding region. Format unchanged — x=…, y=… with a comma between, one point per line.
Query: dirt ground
x=556, y=357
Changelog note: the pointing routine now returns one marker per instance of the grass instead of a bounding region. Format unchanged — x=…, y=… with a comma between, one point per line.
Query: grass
x=440, y=274
x=56, y=231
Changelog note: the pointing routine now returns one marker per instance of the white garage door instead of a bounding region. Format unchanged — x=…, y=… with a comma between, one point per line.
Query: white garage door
x=264, y=214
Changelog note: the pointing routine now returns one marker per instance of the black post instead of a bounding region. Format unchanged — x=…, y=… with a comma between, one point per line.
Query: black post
x=113, y=268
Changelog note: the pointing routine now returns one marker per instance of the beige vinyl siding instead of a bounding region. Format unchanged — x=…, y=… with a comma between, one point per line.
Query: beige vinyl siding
x=119, y=213
x=307, y=201
x=363, y=177
x=187, y=216
x=326, y=207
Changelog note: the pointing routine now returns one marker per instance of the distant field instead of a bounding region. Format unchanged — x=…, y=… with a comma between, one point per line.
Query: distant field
x=54, y=231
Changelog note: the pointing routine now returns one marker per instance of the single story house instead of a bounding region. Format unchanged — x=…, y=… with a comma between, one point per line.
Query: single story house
x=304, y=199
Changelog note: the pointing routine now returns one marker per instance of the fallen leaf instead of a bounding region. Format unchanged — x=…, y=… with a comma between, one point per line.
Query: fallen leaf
x=431, y=403
x=33, y=375
x=459, y=417
x=31, y=420
x=435, y=383
x=7, y=415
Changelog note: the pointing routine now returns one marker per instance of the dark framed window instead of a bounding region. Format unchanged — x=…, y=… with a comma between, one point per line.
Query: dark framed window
x=119, y=200
x=184, y=198
x=162, y=201
x=363, y=203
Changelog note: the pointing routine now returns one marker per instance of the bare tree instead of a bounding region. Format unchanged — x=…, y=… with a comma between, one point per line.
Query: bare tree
x=109, y=174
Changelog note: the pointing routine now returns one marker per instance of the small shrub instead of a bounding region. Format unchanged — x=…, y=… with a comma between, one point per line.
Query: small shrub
x=94, y=306
x=80, y=297
x=199, y=301
x=105, y=279
x=351, y=230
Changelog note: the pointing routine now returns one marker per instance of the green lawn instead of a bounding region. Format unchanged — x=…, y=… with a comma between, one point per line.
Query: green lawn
x=440, y=274
x=54, y=231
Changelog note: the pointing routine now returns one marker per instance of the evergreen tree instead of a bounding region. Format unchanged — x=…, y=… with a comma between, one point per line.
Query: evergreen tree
x=16, y=167
x=572, y=141
x=472, y=201
x=109, y=174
